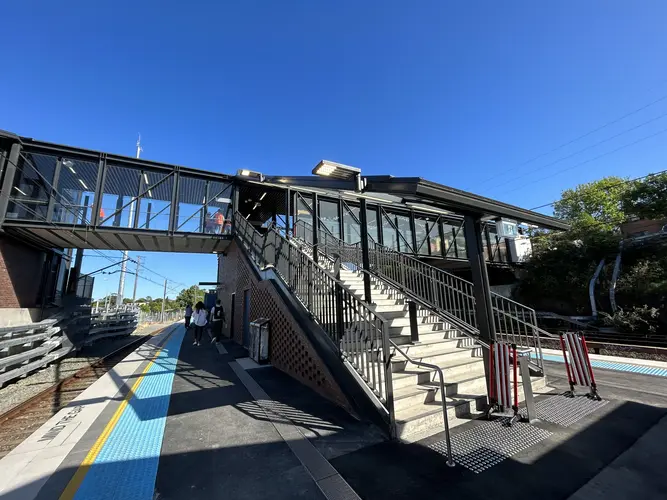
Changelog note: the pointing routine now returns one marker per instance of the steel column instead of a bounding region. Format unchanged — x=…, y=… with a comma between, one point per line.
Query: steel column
x=413, y=229
x=341, y=226
x=52, y=191
x=137, y=203
x=99, y=190
x=365, y=254
x=288, y=197
x=483, y=307
x=173, y=213
x=378, y=215
x=8, y=181
x=441, y=232
x=316, y=226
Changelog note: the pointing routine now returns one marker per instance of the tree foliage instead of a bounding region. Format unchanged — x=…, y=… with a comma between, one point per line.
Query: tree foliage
x=558, y=274
x=646, y=199
x=595, y=206
x=190, y=295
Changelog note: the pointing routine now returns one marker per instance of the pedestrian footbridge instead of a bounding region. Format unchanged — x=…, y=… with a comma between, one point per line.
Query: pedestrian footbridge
x=66, y=197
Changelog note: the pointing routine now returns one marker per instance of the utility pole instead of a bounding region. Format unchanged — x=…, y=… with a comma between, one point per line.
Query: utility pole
x=136, y=279
x=164, y=298
x=123, y=266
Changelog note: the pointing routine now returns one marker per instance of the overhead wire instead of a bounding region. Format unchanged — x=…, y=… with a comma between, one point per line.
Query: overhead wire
x=620, y=183
x=645, y=138
x=576, y=139
x=587, y=148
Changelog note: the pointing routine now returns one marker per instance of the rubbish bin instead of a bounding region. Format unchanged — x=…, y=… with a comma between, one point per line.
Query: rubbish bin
x=259, y=340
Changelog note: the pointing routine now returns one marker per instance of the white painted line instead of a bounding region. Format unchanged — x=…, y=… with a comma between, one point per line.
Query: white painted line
x=30, y=464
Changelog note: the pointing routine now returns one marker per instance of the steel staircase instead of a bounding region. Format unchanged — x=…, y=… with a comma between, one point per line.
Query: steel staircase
x=447, y=339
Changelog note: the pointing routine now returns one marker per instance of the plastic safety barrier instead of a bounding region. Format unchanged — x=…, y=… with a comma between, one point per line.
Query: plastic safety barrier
x=577, y=364
x=503, y=360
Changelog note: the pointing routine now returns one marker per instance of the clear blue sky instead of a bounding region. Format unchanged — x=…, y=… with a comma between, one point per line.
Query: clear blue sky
x=456, y=92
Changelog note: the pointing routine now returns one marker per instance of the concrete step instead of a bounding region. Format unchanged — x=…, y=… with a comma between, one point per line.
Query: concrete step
x=422, y=328
x=443, y=358
x=428, y=416
x=424, y=419
x=424, y=337
x=422, y=348
x=420, y=320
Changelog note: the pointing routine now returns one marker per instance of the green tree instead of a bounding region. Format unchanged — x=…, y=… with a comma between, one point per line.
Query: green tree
x=595, y=206
x=646, y=199
x=190, y=295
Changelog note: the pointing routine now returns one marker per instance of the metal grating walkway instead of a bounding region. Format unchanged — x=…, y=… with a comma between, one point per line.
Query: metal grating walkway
x=490, y=443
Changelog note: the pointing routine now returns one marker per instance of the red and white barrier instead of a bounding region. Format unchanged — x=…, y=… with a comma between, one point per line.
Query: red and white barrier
x=577, y=363
x=503, y=360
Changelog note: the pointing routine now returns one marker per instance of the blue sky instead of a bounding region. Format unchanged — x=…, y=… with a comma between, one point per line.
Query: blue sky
x=454, y=92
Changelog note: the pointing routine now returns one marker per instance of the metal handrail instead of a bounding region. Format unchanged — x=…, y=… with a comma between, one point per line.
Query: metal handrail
x=359, y=334
x=441, y=376
x=447, y=295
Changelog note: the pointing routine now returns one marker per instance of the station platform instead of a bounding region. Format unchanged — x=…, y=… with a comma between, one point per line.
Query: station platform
x=178, y=421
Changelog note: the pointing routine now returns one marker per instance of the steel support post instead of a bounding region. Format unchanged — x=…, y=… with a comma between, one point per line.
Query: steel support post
x=52, y=192
x=99, y=190
x=173, y=213
x=288, y=229
x=8, y=181
x=414, y=326
x=365, y=251
x=413, y=230
x=472, y=229
x=316, y=226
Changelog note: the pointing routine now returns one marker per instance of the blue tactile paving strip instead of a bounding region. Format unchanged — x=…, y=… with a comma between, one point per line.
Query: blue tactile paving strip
x=615, y=365
x=127, y=464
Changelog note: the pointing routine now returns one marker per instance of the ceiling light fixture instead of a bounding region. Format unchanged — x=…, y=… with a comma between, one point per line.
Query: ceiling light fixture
x=20, y=191
x=69, y=164
x=146, y=178
x=83, y=184
x=258, y=176
x=335, y=170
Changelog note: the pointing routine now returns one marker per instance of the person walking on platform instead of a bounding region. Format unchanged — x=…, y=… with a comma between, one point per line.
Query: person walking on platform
x=217, y=319
x=188, y=315
x=199, y=320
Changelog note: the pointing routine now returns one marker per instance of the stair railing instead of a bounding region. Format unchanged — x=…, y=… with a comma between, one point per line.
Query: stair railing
x=450, y=297
x=359, y=334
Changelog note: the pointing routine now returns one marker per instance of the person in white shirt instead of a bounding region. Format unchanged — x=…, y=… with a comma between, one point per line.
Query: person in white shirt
x=199, y=320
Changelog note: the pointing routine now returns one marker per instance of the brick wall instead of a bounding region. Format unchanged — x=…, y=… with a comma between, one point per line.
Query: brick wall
x=290, y=349
x=20, y=274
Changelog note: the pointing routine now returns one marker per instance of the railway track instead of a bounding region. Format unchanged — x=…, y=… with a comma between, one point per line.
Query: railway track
x=21, y=421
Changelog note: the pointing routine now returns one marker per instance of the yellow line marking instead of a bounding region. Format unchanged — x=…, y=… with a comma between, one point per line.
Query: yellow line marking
x=74, y=484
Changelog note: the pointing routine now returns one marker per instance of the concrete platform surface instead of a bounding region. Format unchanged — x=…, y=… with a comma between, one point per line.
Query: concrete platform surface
x=178, y=421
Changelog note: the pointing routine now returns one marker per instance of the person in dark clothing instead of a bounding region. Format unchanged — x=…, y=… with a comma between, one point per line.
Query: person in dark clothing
x=217, y=320
x=188, y=315
x=199, y=319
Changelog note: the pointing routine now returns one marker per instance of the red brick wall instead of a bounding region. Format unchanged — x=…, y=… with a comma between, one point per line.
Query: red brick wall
x=290, y=349
x=20, y=274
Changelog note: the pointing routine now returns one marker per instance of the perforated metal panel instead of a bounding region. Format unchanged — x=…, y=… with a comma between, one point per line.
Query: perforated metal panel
x=490, y=443
x=566, y=411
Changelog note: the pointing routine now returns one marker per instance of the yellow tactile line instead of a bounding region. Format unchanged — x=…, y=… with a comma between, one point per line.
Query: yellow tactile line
x=74, y=484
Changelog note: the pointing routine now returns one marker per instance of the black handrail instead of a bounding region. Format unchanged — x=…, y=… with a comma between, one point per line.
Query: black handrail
x=358, y=332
